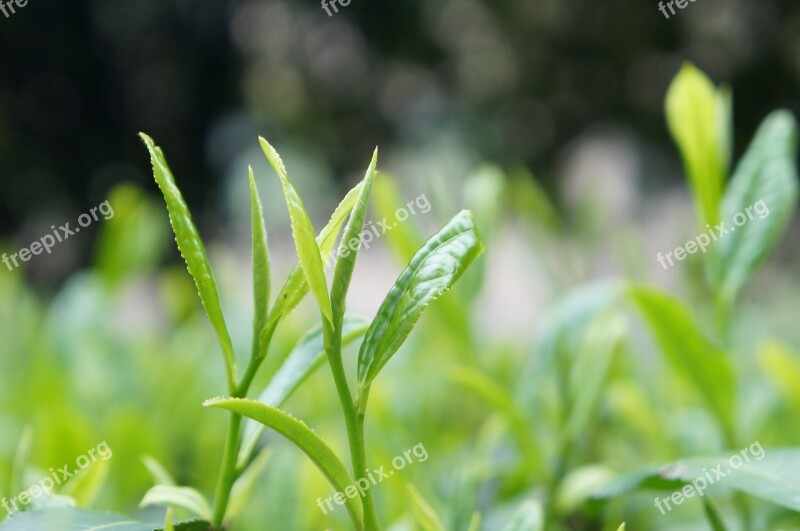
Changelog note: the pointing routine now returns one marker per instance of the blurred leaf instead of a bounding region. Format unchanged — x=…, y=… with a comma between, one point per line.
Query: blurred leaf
x=498, y=398
x=133, y=240
x=766, y=177
x=21, y=457
x=157, y=471
x=261, y=266
x=244, y=487
x=693, y=115
x=475, y=522
x=70, y=519
x=688, y=350
x=85, y=486
x=432, y=271
x=774, y=478
x=304, y=359
x=782, y=366
x=301, y=436
x=347, y=255
x=621, y=527
x=308, y=251
x=529, y=199
x=529, y=517
x=403, y=239
x=713, y=516
x=183, y=497
x=425, y=515
x=590, y=370
x=579, y=485
x=191, y=247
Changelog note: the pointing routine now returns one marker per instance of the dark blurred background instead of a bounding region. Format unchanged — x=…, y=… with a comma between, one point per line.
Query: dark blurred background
x=435, y=80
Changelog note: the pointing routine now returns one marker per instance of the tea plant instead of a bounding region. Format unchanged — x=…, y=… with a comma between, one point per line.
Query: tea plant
x=431, y=272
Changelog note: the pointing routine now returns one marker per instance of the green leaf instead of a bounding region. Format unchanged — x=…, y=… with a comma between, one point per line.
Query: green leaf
x=432, y=271
x=308, y=251
x=168, y=525
x=261, y=267
x=694, y=114
x=296, y=286
x=72, y=519
x=591, y=368
x=183, y=497
x=85, y=486
x=157, y=471
x=765, y=182
x=688, y=350
x=245, y=487
x=424, y=514
x=713, y=516
x=771, y=474
x=304, y=359
x=499, y=398
x=193, y=252
x=529, y=517
x=301, y=436
x=347, y=254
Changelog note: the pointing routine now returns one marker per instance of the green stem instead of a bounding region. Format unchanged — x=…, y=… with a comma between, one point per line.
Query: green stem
x=228, y=470
x=354, y=421
x=227, y=474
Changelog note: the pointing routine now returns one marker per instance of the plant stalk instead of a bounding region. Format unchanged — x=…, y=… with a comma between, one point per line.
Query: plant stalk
x=354, y=421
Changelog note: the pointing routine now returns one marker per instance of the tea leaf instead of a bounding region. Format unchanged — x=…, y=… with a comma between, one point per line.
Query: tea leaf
x=347, y=255
x=191, y=247
x=764, y=190
x=296, y=287
x=308, y=251
x=184, y=497
x=432, y=271
x=529, y=517
x=713, y=516
x=687, y=349
x=694, y=115
x=304, y=359
x=301, y=436
x=261, y=266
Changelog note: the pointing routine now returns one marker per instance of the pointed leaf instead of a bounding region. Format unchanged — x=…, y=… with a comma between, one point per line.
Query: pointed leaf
x=183, y=497
x=157, y=471
x=687, y=349
x=261, y=266
x=432, y=271
x=693, y=109
x=301, y=436
x=308, y=251
x=296, y=286
x=347, y=255
x=305, y=358
x=193, y=252
x=84, y=487
x=765, y=182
